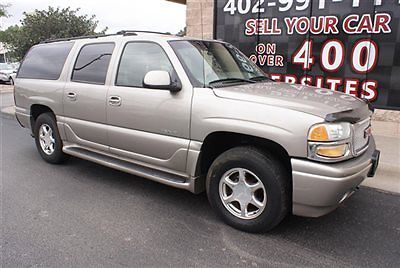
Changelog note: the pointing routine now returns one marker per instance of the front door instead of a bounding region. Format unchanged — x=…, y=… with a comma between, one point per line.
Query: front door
x=148, y=125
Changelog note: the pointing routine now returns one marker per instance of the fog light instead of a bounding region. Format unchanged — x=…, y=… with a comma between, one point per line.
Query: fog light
x=332, y=150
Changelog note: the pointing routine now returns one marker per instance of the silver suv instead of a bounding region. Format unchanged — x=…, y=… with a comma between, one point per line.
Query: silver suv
x=197, y=115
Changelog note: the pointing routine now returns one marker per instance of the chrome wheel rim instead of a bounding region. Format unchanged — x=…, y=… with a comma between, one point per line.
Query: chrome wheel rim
x=46, y=139
x=242, y=193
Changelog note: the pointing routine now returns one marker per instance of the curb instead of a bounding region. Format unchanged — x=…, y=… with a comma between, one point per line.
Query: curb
x=6, y=88
x=9, y=110
x=6, y=91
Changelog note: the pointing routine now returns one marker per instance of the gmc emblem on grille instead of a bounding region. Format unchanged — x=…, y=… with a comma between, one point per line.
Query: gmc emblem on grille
x=367, y=132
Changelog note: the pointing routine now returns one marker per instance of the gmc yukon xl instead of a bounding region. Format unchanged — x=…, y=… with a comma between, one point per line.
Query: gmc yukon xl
x=200, y=116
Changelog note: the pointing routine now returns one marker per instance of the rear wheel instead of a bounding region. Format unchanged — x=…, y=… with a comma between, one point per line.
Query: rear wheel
x=48, y=140
x=11, y=81
x=248, y=189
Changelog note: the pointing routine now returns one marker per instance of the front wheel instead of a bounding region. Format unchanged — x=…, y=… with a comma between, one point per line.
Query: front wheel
x=48, y=140
x=248, y=189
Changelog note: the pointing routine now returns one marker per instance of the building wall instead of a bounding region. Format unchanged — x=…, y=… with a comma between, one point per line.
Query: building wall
x=3, y=52
x=199, y=18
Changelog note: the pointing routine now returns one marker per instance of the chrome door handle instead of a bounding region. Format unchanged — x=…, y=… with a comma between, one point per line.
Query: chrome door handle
x=115, y=101
x=71, y=96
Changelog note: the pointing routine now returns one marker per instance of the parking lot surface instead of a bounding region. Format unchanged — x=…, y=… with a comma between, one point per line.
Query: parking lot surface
x=84, y=215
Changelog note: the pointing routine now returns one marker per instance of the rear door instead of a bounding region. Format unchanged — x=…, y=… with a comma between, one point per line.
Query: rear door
x=85, y=96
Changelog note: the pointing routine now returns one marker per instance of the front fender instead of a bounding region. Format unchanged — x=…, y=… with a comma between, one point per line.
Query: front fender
x=286, y=127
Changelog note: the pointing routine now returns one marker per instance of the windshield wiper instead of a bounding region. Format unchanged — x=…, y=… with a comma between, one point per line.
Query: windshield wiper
x=260, y=78
x=230, y=80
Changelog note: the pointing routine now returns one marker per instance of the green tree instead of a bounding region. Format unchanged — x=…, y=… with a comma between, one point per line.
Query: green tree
x=3, y=11
x=182, y=32
x=13, y=36
x=42, y=25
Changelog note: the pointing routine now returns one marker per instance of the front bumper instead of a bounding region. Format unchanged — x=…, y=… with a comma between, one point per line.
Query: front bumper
x=318, y=188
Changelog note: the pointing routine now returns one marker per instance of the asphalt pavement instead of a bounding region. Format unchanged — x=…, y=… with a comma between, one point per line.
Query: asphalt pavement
x=80, y=214
x=6, y=98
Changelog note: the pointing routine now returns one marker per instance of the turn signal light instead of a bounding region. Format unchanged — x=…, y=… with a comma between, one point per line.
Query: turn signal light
x=318, y=133
x=332, y=151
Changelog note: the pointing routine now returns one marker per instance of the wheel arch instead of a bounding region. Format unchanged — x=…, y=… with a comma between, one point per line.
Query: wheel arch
x=218, y=142
x=36, y=110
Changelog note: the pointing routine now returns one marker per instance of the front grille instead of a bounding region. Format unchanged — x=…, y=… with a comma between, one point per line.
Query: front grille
x=361, y=137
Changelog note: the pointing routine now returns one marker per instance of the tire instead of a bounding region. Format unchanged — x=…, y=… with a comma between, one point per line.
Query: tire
x=11, y=81
x=272, y=189
x=53, y=154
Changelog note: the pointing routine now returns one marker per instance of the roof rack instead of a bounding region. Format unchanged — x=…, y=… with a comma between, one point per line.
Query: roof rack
x=75, y=38
x=134, y=32
x=123, y=32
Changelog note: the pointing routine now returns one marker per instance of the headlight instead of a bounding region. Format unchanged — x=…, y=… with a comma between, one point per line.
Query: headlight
x=329, y=132
x=329, y=142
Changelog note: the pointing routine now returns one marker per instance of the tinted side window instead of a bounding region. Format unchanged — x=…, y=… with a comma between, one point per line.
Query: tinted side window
x=45, y=61
x=138, y=59
x=92, y=63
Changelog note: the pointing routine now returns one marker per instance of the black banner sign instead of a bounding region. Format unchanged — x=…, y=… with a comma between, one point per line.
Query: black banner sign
x=351, y=46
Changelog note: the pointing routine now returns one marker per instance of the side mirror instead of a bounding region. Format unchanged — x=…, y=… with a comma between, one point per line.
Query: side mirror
x=161, y=80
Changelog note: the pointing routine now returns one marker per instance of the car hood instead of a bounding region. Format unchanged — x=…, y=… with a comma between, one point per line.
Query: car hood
x=307, y=99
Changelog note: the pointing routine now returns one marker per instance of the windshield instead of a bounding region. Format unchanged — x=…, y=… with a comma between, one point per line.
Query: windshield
x=211, y=64
x=5, y=66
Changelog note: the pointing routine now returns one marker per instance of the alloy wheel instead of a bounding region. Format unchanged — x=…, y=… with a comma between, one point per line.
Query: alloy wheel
x=46, y=139
x=242, y=193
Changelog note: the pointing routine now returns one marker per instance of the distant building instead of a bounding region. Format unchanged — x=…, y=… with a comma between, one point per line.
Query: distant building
x=199, y=17
x=3, y=53
x=3, y=50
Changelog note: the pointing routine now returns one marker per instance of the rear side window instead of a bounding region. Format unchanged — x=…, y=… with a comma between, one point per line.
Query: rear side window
x=45, y=61
x=139, y=58
x=92, y=63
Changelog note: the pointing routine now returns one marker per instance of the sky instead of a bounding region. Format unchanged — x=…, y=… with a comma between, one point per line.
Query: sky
x=152, y=15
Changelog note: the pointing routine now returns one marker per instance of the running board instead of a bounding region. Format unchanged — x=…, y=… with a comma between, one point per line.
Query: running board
x=131, y=168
